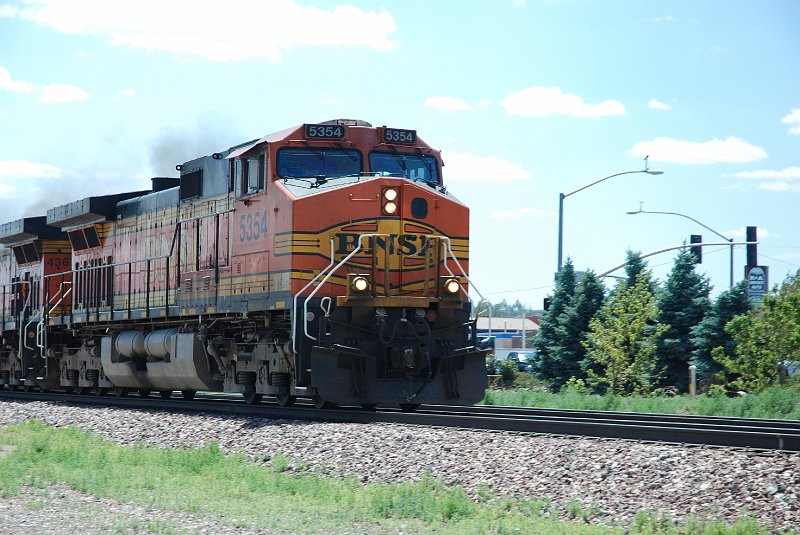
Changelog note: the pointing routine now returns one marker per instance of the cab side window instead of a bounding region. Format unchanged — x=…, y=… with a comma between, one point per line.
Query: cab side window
x=251, y=174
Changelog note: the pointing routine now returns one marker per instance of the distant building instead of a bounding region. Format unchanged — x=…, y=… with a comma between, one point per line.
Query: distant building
x=507, y=332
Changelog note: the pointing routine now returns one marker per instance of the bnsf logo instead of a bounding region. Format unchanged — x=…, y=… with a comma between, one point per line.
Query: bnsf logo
x=401, y=244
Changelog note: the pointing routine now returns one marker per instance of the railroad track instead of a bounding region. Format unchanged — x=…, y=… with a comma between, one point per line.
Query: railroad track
x=762, y=434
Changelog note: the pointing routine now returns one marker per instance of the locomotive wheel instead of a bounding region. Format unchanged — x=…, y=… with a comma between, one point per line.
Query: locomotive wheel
x=188, y=395
x=121, y=392
x=285, y=400
x=165, y=394
x=80, y=390
x=320, y=403
x=409, y=407
x=252, y=397
x=144, y=392
x=100, y=391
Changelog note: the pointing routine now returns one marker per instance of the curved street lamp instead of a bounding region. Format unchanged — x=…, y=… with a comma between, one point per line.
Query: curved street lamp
x=642, y=211
x=562, y=196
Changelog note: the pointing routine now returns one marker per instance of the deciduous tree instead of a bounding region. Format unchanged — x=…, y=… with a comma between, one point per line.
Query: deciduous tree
x=765, y=338
x=622, y=338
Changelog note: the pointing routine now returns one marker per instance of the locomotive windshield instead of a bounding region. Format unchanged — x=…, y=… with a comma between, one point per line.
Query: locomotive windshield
x=310, y=162
x=417, y=167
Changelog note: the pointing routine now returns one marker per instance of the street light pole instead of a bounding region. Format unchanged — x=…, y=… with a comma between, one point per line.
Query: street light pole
x=562, y=196
x=641, y=211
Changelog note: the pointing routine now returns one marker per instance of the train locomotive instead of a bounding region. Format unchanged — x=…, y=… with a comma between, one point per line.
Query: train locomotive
x=326, y=261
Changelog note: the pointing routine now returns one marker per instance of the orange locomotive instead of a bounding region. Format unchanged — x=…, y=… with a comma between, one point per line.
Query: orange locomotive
x=325, y=261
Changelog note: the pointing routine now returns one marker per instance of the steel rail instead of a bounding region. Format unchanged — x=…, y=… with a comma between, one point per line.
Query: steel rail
x=760, y=434
x=634, y=416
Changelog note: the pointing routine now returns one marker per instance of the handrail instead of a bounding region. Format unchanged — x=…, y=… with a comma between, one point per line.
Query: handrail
x=328, y=276
x=129, y=264
x=60, y=299
x=22, y=315
x=294, y=306
x=449, y=248
x=24, y=333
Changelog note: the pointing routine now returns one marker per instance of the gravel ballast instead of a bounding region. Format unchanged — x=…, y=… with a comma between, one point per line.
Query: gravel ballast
x=621, y=477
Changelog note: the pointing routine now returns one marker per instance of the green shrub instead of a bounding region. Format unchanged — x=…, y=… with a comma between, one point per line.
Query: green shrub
x=508, y=370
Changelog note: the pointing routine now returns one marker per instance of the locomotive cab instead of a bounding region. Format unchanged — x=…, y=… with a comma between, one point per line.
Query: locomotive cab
x=380, y=250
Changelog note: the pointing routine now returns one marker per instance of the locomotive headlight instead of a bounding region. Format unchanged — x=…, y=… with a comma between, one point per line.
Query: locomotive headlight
x=390, y=201
x=452, y=287
x=359, y=284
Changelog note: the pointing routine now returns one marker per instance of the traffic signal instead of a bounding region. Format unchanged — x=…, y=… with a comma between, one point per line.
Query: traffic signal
x=546, y=304
x=752, y=250
x=697, y=250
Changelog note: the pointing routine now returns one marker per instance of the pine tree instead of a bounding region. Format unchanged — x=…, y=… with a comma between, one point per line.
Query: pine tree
x=634, y=264
x=683, y=302
x=622, y=338
x=568, y=354
x=710, y=333
x=548, y=338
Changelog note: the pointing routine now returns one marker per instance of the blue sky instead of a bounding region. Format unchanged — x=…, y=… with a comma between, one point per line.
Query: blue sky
x=526, y=99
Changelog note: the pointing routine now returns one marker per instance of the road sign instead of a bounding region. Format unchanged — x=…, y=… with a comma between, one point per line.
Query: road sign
x=757, y=281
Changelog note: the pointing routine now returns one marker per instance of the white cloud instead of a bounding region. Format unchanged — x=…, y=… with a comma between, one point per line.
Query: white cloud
x=785, y=174
x=793, y=119
x=9, y=84
x=195, y=27
x=471, y=167
x=542, y=101
x=8, y=12
x=447, y=104
x=730, y=150
x=128, y=93
x=657, y=105
x=62, y=93
x=780, y=186
x=26, y=169
x=47, y=93
x=523, y=213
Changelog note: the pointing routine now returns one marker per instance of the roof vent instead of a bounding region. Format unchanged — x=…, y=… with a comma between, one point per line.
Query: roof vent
x=160, y=183
x=347, y=122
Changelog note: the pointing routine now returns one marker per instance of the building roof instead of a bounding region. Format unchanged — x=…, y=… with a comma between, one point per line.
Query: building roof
x=506, y=324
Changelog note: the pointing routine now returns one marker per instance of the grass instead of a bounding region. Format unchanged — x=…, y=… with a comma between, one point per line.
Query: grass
x=206, y=483
x=775, y=402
